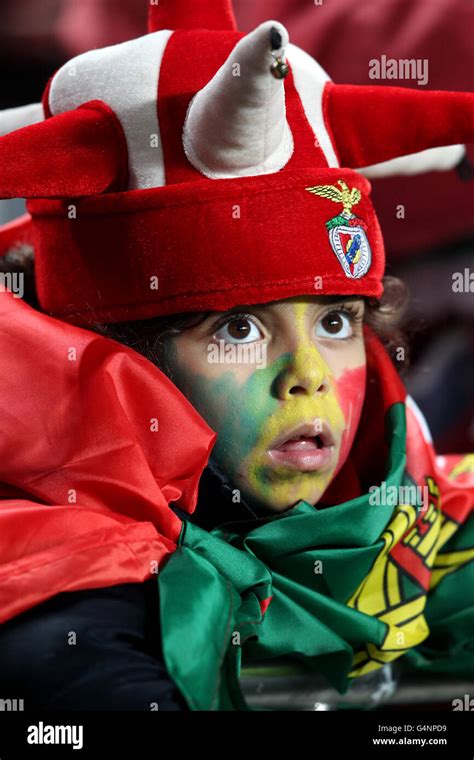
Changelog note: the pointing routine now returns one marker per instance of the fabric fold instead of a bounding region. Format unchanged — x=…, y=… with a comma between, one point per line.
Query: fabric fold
x=89, y=440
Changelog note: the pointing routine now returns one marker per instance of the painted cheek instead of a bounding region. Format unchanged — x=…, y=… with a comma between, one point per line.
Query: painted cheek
x=279, y=481
x=350, y=389
x=236, y=410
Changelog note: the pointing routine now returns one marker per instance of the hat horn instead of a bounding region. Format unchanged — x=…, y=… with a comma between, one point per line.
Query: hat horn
x=77, y=153
x=236, y=125
x=373, y=125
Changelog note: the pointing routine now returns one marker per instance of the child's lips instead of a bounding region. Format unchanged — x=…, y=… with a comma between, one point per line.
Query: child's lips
x=308, y=447
x=300, y=444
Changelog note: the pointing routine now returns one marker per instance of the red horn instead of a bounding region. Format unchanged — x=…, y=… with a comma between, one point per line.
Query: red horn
x=74, y=154
x=371, y=124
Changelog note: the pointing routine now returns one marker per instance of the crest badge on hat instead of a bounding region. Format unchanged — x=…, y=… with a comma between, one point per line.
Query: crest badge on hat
x=347, y=232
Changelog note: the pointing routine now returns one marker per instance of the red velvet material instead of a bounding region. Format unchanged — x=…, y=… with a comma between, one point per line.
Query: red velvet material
x=182, y=14
x=86, y=476
x=212, y=245
x=78, y=153
x=371, y=124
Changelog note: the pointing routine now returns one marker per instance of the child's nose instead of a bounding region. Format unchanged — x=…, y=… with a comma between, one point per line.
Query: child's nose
x=305, y=374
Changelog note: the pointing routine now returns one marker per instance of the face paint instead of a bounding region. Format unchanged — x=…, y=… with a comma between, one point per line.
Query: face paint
x=305, y=370
x=250, y=409
x=350, y=388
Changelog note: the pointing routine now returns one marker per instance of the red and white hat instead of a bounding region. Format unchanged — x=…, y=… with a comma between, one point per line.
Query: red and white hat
x=200, y=168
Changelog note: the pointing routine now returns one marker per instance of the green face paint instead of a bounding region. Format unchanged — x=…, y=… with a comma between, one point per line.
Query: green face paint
x=236, y=411
x=248, y=415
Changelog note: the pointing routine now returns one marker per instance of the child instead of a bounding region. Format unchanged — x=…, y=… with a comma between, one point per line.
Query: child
x=217, y=230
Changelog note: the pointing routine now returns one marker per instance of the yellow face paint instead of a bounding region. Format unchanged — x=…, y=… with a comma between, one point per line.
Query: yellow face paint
x=306, y=370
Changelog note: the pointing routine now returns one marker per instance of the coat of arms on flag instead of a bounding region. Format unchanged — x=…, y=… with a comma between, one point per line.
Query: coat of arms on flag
x=347, y=232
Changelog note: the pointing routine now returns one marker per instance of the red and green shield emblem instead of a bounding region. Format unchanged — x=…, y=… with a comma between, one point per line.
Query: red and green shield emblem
x=347, y=232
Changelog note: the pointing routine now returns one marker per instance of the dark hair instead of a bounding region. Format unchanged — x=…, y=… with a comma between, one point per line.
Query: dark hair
x=148, y=336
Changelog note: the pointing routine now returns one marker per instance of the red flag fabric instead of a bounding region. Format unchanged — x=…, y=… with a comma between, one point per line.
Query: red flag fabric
x=95, y=443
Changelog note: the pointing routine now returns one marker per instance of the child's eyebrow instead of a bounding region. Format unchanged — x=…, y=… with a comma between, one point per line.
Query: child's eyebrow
x=271, y=306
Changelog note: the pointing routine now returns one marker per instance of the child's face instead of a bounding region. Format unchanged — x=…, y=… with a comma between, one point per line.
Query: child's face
x=310, y=389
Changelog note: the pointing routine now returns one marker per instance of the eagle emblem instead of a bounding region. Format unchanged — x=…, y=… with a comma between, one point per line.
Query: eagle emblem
x=347, y=232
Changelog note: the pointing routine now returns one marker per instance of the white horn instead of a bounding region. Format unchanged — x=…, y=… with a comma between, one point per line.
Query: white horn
x=236, y=125
x=23, y=116
x=433, y=159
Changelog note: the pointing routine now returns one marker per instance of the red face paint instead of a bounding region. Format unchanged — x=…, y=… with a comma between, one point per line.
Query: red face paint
x=350, y=390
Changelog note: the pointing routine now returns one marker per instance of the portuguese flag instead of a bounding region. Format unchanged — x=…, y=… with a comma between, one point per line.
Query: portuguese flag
x=380, y=570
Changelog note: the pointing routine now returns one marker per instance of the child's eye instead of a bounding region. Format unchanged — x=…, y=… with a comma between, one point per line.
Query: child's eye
x=335, y=324
x=238, y=330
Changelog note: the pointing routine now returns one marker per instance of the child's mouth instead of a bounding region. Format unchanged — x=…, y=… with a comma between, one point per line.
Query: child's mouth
x=308, y=447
